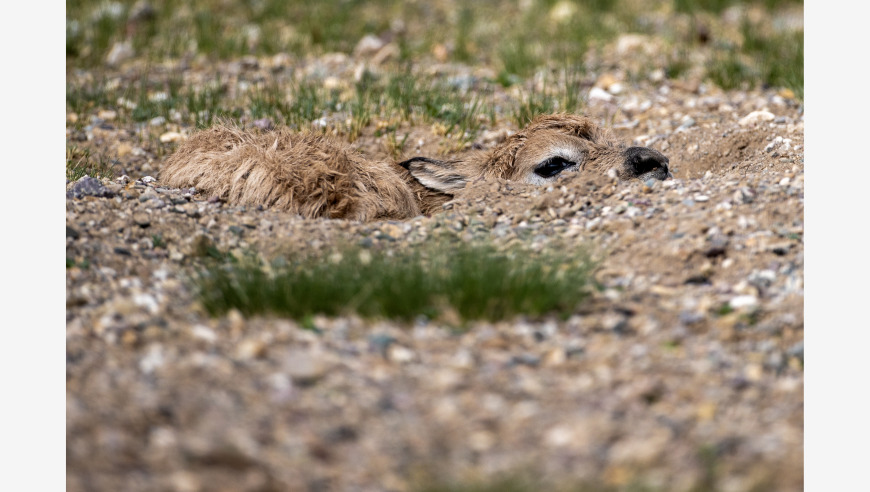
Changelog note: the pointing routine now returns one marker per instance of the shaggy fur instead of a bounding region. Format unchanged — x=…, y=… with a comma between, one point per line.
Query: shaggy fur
x=317, y=176
x=305, y=173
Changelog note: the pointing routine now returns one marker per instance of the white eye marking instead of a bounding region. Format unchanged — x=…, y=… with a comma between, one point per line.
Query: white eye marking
x=553, y=165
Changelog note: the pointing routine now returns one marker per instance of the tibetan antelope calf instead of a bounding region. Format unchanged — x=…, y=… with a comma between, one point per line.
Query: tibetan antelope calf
x=317, y=176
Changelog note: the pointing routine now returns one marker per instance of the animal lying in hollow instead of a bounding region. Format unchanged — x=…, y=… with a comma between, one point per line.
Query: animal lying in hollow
x=317, y=176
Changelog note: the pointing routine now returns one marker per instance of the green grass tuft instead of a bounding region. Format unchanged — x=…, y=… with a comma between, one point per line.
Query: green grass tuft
x=474, y=281
x=566, y=98
x=80, y=162
x=730, y=72
x=779, y=57
x=769, y=59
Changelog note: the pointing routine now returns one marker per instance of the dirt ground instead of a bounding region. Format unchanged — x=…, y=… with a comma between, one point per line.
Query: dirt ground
x=683, y=372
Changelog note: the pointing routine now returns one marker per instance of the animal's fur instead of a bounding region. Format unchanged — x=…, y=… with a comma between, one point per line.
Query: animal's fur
x=306, y=173
x=317, y=176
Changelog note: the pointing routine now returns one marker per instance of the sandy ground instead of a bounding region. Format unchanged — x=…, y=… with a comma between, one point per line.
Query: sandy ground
x=683, y=372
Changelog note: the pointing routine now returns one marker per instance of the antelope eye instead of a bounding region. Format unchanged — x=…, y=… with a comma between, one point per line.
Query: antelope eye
x=553, y=166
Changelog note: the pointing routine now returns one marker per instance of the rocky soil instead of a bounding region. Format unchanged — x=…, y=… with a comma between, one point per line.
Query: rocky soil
x=684, y=372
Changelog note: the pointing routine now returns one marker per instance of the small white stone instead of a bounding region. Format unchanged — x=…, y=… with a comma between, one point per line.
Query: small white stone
x=120, y=52
x=147, y=301
x=368, y=45
x=304, y=366
x=559, y=436
x=599, y=94
x=107, y=114
x=773, y=144
x=205, y=333
x=251, y=348
x=172, y=137
x=126, y=103
x=399, y=354
x=702, y=198
x=563, y=11
x=756, y=117
x=152, y=360
x=746, y=301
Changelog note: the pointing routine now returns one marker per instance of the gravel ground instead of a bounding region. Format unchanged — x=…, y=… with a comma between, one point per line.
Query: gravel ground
x=684, y=372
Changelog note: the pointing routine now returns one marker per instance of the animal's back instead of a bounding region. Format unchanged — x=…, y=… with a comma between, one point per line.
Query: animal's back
x=305, y=173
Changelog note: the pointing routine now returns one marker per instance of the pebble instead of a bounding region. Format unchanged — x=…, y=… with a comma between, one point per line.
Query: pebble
x=251, y=349
x=170, y=137
x=121, y=51
x=204, y=333
x=756, y=117
x=797, y=350
x=687, y=123
x=142, y=11
x=753, y=372
x=743, y=195
x=88, y=186
x=563, y=11
x=380, y=343
x=264, y=124
x=152, y=360
x=718, y=244
x=193, y=211
x=741, y=302
x=492, y=137
x=142, y=219
x=304, y=367
x=368, y=46
x=691, y=317
x=399, y=354
x=599, y=94
x=762, y=279
x=107, y=115
x=392, y=231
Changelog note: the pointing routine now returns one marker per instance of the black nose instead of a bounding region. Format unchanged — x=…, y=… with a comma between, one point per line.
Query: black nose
x=643, y=160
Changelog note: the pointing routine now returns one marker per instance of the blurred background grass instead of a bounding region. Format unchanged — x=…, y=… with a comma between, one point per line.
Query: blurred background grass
x=735, y=44
x=457, y=68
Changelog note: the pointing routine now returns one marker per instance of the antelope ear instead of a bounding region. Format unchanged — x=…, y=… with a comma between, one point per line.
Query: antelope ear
x=434, y=174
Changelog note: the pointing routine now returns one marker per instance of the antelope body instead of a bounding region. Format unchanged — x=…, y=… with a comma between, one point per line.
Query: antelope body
x=318, y=176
